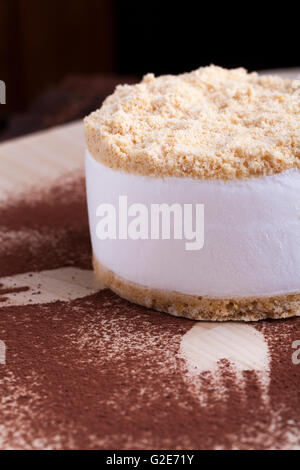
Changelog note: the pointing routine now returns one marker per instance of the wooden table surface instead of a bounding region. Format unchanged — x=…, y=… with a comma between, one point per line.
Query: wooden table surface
x=39, y=162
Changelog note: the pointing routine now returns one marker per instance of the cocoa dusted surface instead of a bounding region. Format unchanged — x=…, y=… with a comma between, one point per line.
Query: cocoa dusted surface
x=100, y=372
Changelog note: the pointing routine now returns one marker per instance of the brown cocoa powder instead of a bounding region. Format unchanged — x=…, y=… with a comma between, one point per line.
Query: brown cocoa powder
x=46, y=229
x=100, y=372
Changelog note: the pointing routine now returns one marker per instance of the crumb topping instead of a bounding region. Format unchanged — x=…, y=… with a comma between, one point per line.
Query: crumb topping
x=210, y=123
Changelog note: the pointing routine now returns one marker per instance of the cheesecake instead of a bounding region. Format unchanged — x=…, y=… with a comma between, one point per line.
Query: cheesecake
x=193, y=188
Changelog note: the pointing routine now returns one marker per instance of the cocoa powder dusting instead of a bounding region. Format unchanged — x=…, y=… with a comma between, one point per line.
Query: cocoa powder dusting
x=46, y=229
x=99, y=372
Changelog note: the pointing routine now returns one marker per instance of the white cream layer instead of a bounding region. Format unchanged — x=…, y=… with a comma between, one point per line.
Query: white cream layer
x=252, y=233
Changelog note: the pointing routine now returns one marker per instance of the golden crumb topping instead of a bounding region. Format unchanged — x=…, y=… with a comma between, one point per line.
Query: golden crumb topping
x=210, y=123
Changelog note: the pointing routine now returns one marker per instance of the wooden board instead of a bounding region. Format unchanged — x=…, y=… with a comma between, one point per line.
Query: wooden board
x=41, y=158
x=39, y=161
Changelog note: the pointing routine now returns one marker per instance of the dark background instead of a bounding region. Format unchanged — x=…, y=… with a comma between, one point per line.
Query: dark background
x=174, y=37
x=56, y=46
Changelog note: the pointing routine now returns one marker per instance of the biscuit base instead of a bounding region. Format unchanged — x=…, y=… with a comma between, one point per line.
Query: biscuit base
x=197, y=307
